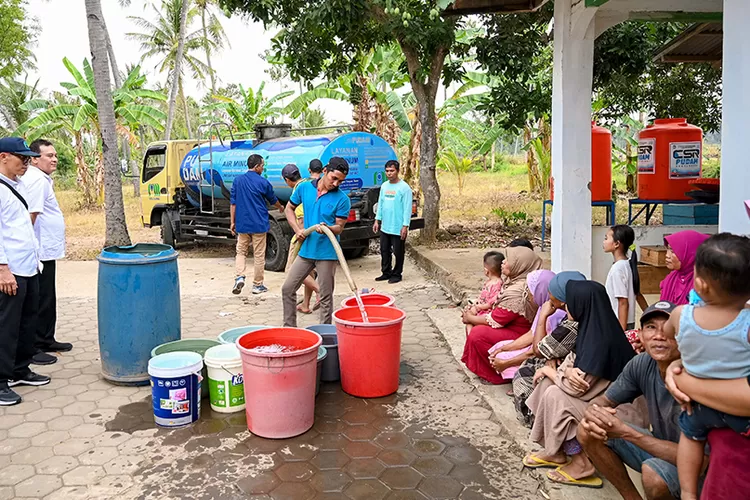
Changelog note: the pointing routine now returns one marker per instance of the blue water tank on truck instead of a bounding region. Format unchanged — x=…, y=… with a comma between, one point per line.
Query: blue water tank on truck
x=194, y=203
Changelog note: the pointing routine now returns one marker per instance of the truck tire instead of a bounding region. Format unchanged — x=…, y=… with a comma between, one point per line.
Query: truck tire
x=277, y=247
x=167, y=231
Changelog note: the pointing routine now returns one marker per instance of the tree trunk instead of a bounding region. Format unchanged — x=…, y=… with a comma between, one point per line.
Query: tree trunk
x=83, y=178
x=208, y=51
x=187, y=112
x=425, y=93
x=177, y=70
x=114, y=209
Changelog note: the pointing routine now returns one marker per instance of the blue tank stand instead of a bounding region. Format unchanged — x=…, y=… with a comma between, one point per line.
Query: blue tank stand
x=610, y=206
x=650, y=207
x=138, y=308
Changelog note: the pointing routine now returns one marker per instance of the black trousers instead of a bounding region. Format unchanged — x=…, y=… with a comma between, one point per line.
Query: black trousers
x=45, y=328
x=18, y=316
x=392, y=245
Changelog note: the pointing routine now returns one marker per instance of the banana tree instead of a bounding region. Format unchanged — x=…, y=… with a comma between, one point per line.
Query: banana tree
x=76, y=112
x=625, y=146
x=250, y=107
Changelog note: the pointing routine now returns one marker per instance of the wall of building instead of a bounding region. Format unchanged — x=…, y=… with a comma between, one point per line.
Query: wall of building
x=644, y=235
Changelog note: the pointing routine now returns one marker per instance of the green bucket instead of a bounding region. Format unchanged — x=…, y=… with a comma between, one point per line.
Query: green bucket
x=199, y=346
x=230, y=336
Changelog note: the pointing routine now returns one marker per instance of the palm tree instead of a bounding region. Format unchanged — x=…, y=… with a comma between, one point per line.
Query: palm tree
x=211, y=30
x=13, y=94
x=456, y=165
x=171, y=41
x=114, y=209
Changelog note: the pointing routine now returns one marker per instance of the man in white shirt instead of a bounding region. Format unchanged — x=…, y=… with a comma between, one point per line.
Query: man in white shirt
x=49, y=228
x=19, y=274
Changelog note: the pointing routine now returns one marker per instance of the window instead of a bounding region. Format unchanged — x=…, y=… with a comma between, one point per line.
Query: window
x=156, y=158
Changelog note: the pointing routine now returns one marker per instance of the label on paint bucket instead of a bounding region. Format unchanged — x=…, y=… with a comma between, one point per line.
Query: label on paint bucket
x=176, y=401
x=227, y=393
x=684, y=160
x=646, y=156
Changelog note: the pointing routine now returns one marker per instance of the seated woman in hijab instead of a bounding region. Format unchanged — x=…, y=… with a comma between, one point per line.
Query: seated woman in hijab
x=562, y=395
x=510, y=318
x=507, y=355
x=681, y=249
x=553, y=340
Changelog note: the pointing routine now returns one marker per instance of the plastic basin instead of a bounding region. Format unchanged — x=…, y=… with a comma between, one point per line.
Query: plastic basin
x=280, y=387
x=230, y=336
x=199, y=346
x=330, y=372
x=369, y=353
x=370, y=299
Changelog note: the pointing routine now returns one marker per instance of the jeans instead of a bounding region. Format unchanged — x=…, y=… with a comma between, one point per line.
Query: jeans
x=703, y=419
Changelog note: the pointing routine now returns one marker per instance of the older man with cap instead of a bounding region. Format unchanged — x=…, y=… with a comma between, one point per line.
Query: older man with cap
x=610, y=443
x=49, y=226
x=324, y=204
x=19, y=274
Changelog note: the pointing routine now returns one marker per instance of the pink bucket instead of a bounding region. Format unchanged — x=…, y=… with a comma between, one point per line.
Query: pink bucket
x=280, y=386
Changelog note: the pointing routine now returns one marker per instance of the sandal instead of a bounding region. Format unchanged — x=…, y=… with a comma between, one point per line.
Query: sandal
x=303, y=310
x=533, y=462
x=586, y=482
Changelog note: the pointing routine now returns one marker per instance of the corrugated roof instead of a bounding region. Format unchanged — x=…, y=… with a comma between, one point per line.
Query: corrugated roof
x=700, y=43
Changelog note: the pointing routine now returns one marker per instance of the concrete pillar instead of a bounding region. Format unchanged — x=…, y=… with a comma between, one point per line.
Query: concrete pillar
x=735, y=167
x=571, y=136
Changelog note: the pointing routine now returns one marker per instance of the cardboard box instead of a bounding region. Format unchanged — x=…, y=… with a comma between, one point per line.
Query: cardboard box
x=654, y=255
x=651, y=277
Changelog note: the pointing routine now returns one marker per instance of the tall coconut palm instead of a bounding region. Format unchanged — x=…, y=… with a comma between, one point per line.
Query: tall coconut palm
x=212, y=29
x=114, y=208
x=13, y=95
x=174, y=44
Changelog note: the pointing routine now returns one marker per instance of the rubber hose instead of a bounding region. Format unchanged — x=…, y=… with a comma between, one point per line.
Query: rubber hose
x=344, y=266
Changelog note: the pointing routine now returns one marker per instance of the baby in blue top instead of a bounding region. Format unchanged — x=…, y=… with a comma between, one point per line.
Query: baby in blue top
x=714, y=340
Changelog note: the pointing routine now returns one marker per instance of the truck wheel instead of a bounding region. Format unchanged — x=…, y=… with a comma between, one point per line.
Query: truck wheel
x=277, y=247
x=355, y=253
x=167, y=231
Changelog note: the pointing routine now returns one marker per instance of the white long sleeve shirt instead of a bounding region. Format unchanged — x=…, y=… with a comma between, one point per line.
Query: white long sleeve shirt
x=49, y=227
x=18, y=245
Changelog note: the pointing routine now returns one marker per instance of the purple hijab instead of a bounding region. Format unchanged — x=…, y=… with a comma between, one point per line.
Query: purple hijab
x=538, y=283
x=677, y=285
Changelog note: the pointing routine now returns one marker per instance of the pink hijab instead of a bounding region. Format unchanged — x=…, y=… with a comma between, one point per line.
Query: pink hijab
x=677, y=285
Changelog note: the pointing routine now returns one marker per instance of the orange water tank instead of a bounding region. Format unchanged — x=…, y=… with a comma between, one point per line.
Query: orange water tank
x=669, y=156
x=601, y=165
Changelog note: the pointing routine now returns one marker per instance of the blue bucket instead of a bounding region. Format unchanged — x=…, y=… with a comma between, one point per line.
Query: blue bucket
x=230, y=336
x=176, y=388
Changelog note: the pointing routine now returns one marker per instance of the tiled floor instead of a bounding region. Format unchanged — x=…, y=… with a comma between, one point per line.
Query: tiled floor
x=81, y=437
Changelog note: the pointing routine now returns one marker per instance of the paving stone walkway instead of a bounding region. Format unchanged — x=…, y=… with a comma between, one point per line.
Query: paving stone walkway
x=82, y=437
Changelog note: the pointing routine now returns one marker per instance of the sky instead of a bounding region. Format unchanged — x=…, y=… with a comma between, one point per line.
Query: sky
x=64, y=33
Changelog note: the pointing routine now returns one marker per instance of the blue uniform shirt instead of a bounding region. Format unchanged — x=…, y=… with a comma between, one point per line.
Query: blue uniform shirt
x=250, y=192
x=332, y=205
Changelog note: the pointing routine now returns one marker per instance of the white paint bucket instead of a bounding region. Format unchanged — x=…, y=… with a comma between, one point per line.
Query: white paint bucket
x=225, y=379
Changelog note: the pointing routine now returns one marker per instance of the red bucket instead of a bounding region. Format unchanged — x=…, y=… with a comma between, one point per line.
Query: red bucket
x=280, y=387
x=370, y=299
x=369, y=353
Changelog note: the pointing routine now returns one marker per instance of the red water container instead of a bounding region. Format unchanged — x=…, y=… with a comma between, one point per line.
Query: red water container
x=601, y=165
x=670, y=154
x=370, y=299
x=369, y=353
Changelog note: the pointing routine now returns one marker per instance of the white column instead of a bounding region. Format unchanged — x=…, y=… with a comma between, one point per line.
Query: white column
x=735, y=160
x=571, y=136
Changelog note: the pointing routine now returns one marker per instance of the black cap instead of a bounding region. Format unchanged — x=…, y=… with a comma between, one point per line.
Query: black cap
x=289, y=170
x=17, y=146
x=316, y=166
x=338, y=163
x=661, y=307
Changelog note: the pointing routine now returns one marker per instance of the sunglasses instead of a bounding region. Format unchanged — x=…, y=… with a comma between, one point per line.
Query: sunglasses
x=25, y=159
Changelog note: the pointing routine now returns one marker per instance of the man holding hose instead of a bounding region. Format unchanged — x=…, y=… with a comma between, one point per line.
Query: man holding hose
x=324, y=204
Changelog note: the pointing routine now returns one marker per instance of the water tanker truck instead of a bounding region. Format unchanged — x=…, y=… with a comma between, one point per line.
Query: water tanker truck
x=186, y=184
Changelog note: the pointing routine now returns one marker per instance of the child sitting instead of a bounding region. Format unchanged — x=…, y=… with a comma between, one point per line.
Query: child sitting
x=493, y=287
x=714, y=340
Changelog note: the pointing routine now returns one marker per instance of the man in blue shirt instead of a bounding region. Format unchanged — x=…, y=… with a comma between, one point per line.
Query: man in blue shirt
x=324, y=204
x=249, y=221
x=393, y=220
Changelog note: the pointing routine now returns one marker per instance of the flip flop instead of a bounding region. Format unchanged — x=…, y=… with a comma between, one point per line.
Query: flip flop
x=531, y=461
x=299, y=308
x=586, y=482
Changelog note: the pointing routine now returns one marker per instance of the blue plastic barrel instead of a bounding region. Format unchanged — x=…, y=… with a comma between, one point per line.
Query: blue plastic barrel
x=138, y=307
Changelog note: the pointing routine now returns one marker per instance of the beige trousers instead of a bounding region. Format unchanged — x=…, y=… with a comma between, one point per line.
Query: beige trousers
x=259, y=255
